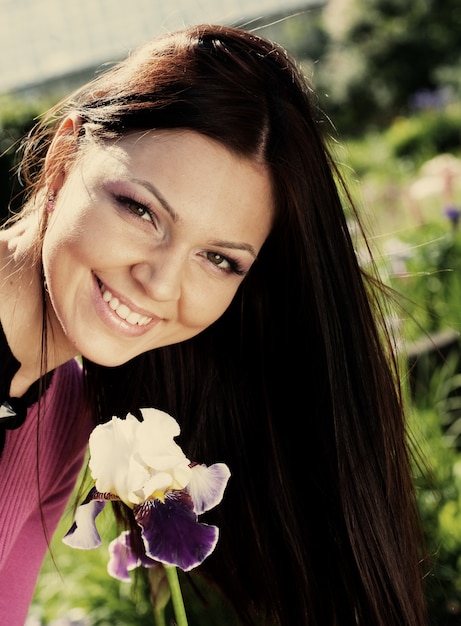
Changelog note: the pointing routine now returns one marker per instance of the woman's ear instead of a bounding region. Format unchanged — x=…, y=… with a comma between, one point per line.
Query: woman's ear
x=62, y=151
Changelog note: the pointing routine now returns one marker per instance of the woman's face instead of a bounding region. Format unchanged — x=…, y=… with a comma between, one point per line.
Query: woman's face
x=148, y=241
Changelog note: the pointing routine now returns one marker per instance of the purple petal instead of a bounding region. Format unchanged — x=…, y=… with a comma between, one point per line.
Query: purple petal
x=83, y=533
x=122, y=558
x=207, y=485
x=171, y=532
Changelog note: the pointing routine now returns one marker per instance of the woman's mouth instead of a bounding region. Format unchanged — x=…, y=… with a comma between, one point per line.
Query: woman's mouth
x=121, y=309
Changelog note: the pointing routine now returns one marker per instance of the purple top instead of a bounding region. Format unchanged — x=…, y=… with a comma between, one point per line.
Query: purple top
x=59, y=433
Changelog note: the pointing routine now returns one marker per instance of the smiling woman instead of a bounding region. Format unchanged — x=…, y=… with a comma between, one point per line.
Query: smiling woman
x=138, y=254
x=184, y=233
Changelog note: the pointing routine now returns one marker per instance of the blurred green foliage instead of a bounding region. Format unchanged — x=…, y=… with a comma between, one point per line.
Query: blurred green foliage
x=425, y=134
x=439, y=495
x=374, y=60
x=17, y=117
x=431, y=286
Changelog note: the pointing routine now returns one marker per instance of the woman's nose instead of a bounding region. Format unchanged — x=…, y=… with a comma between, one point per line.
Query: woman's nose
x=160, y=278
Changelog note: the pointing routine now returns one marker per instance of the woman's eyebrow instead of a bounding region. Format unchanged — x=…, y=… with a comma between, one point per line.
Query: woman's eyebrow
x=231, y=245
x=155, y=192
x=235, y=245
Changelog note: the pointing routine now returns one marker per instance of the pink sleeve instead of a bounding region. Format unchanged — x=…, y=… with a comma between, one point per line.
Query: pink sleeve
x=63, y=435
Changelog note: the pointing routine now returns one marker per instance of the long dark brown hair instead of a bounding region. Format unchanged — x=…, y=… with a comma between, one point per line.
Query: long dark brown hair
x=294, y=386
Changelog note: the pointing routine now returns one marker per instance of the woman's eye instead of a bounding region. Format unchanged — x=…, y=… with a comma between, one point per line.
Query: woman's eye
x=219, y=260
x=226, y=264
x=138, y=209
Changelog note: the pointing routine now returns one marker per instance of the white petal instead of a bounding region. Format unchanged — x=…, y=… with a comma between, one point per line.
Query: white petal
x=84, y=534
x=207, y=486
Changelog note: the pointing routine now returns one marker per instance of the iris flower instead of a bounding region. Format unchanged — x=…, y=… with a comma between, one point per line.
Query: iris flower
x=139, y=463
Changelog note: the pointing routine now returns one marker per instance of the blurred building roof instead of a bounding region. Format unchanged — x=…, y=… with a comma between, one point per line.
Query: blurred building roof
x=44, y=39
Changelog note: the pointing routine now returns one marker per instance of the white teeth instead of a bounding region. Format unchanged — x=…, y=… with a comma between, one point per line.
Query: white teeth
x=133, y=318
x=124, y=312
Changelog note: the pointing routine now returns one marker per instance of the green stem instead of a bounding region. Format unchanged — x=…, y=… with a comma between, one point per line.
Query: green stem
x=159, y=616
x=176, y=595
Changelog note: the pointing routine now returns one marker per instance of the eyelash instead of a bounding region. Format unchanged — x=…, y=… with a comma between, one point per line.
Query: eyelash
x=126, y=202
